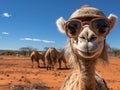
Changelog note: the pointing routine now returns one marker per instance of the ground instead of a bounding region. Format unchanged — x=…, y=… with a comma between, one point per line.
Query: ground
x=16, y=74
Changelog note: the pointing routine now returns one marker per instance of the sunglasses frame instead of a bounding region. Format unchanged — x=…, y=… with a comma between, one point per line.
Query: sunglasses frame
x=86, y=22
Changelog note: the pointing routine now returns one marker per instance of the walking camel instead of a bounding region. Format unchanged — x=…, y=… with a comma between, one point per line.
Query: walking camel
x=36, y=56
x=86, y=29
x=61, y=58
x=54, y=56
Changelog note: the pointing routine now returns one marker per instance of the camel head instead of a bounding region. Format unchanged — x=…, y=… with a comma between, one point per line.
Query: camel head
x=87, y=29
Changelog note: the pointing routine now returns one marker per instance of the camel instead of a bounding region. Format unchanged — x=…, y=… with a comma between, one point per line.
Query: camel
x=35, y=55
x=86, y=30
x=54, y=56
x=50, y=57
x=61, y=58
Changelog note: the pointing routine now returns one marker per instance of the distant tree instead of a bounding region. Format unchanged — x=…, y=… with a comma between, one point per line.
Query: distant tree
x=7, y=52
x=26, y=51
x=114, y=52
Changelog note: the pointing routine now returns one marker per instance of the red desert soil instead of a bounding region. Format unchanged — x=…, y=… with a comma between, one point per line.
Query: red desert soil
x=17, y=71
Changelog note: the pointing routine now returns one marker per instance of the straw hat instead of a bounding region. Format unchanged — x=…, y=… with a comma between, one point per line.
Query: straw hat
x=86, y=11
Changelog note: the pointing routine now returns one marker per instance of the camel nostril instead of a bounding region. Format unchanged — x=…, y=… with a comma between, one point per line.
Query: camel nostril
x=89, y=39
x=93, y=38
x=83, y=37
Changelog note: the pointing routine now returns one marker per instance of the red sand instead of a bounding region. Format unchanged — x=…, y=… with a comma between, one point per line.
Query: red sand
x=18, y=71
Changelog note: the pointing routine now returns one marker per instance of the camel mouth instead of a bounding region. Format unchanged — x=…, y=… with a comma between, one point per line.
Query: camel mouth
x=87, y=53
x=87, y=48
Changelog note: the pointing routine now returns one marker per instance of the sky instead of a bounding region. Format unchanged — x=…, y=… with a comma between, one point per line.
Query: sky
x=32, y=23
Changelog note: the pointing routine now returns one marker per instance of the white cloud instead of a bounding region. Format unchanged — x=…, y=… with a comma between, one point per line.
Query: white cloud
x=34, y=39
x=26, y=39
x=37, y=40
x=47, y=41
x=5, y=33
x=6, y=15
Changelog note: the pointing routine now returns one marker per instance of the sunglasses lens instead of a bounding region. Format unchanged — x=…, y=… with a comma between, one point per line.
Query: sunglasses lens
x=73, y=28
x=100, y=25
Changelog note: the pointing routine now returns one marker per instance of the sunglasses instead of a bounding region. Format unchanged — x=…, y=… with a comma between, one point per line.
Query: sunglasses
x=98, y=25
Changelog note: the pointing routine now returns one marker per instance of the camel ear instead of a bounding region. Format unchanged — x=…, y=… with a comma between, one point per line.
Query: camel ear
x=60, y=24
x=113, y=19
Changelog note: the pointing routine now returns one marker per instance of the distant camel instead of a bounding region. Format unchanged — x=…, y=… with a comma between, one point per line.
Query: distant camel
x=35, y=55
x=53, y=57
x=61, y=58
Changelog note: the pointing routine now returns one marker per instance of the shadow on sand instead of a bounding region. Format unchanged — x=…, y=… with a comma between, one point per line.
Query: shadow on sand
x=64, y=68
x=22, y=87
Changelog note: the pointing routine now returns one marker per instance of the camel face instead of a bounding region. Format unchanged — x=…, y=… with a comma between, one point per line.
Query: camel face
x=87, y=36
x=87, y=29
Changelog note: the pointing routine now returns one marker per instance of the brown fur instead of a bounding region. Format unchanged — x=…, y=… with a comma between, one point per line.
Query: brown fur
x=71, y=84
x=84, y=76
x=36, y=56
x=62, y=58
x=53, y=57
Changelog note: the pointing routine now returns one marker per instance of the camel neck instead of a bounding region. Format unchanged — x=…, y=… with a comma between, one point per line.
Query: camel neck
x=87, y=72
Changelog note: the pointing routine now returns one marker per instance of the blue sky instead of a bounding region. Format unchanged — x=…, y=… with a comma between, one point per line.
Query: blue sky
x=32, y=23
